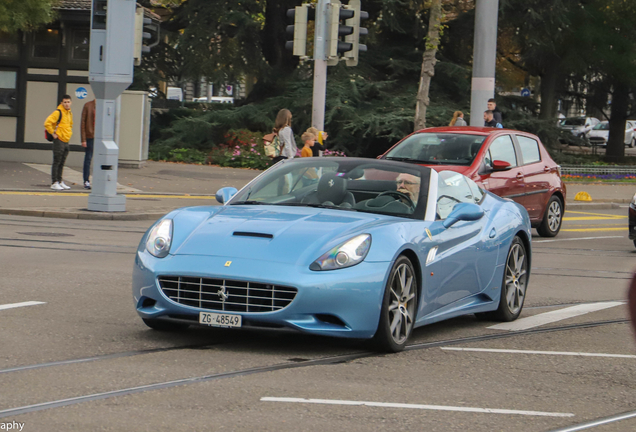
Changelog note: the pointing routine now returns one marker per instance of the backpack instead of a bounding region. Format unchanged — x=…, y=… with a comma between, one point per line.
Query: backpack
x=47, y=135
x=272, y=145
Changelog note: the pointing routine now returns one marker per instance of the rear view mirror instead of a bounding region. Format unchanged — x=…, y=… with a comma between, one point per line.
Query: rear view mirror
x=499, y=165
x=463, y=212
x=223, y=195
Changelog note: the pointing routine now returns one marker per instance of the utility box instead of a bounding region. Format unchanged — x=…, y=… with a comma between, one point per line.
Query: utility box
x=132, y=128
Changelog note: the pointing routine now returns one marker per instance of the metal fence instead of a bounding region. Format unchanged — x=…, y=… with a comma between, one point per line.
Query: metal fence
x=607, y=170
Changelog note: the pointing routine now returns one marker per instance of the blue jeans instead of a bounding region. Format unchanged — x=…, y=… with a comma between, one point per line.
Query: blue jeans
x=88, y=157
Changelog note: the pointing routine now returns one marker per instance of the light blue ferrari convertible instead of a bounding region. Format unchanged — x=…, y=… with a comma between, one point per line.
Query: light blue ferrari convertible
x=345, y=247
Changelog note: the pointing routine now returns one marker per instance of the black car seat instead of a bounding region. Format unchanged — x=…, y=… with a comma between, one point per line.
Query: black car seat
x=332, y=190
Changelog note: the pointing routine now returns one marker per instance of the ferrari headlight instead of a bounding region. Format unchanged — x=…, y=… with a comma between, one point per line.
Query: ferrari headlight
x=347, y=254
x=160, y=238
x=634, y=200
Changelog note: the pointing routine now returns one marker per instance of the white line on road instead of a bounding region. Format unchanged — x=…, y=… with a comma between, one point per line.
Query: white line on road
x=415, y=406
x=562, y=353
x=578, y=238
x=553, y=316
x=17, y=305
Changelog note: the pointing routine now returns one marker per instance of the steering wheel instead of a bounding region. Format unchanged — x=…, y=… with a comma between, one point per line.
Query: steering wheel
x=399, y=195
x=449, y=197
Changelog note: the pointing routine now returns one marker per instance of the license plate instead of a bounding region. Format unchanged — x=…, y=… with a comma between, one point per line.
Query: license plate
x=220, y=319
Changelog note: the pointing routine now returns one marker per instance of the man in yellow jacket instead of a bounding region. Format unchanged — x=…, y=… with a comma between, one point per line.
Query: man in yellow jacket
x=60, y=125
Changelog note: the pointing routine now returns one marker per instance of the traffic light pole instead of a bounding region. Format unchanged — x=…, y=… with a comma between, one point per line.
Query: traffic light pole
x=320, y=66
x=484, y=59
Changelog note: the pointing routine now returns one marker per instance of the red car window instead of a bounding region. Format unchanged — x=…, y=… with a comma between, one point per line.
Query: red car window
x=502, y=149
x=529, y=149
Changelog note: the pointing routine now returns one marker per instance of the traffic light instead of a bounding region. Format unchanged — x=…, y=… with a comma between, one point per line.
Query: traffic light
x=351, y=56
x=145, y=30
x=334, y=45
x=300, y=14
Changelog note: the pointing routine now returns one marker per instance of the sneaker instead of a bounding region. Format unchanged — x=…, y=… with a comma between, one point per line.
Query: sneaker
x=87, y=185
x=56, y=186
x=63, y=185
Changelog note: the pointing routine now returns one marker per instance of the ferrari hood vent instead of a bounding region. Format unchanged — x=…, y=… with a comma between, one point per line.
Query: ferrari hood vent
x=253, y=234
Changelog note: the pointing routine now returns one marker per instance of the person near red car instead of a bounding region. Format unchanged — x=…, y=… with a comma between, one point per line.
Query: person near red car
x=509, y=163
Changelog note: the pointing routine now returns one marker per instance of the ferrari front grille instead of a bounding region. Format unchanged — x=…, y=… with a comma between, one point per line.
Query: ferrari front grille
x=226, y=295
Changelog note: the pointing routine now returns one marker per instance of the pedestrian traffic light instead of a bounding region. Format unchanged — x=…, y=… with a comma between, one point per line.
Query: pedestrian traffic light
x=300, y=14
x=351, y=56
x=145, y=30
x=333, y=44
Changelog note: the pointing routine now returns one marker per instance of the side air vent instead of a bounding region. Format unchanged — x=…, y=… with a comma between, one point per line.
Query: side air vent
x=253, y=234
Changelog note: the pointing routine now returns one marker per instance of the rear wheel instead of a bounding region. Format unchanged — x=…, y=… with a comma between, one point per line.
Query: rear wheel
x=632, y=143
x=551, y=223
x=513, y=286
x=399, y=305
x=166, y=326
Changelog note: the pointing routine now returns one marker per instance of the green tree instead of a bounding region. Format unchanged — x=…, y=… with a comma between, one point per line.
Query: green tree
x=25, y=15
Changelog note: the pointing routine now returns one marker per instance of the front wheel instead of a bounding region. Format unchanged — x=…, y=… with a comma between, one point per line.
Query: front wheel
x=513, y=286
x=551, y=223
x=399, y=305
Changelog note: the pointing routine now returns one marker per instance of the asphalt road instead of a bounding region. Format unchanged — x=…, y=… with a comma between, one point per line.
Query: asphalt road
x=81, y=360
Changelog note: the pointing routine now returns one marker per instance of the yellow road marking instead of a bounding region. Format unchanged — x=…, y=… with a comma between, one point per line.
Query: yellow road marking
x=582, y=218
x=598, y=214
x=85, y=194
x=596, y=229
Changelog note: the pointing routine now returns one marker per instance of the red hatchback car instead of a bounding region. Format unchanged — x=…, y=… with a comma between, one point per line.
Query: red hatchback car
x=508, y=163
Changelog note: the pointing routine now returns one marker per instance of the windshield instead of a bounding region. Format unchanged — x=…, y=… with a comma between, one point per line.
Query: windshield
x=575, y=121
x=350, y=184
x=602, y=126
x=438, y=148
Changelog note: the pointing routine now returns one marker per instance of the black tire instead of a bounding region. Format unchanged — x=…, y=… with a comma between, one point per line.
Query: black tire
x=396, y=306
x=632, y=143
x=634, y=242
x=552, y=218
x=513, y=285
x=165, y=326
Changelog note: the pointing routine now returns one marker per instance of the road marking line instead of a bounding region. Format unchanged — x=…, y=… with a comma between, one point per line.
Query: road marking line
x=75, y=176
x=17, y=305
x=579, y=238
x=554, y=316
x=583, y=218
x=415, y=406
x=595, y=229
x=596, y=214
x=563, y=353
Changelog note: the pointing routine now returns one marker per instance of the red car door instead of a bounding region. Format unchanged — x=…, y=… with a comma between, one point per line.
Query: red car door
x=537, y=175
x=508, y=183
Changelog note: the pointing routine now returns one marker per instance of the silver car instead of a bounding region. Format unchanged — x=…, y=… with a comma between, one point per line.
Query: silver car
x=579, y=126
x=600, y=134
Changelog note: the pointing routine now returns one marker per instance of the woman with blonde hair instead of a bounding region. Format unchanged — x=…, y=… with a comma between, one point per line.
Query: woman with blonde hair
x=282, y=128
x=458, y=119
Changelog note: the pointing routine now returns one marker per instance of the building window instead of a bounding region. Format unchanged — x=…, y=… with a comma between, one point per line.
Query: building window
x=80, y=42
x=8, y=92
x=9, y=45
x=46, y=44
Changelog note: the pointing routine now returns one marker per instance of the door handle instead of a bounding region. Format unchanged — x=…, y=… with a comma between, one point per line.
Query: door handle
x=519, y=176
x=493, y=233
x=546, y=169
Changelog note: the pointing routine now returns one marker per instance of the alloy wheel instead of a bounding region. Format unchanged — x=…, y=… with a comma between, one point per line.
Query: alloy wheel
x=402, y=303
x=516, y=278
x=554, y=216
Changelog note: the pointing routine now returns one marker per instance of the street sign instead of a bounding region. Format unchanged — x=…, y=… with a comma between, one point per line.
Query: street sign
x=525, y=92
x=81, y=93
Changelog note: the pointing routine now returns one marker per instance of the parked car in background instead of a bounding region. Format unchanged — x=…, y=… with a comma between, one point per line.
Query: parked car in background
x=631, y=214
x=599, y=135
x=508, y=163
x=215, y=99
x=579, y=126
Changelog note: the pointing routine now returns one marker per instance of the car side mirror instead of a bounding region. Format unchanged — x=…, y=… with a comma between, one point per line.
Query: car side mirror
x=499, y=165
x=463, y=212
x=223, y=195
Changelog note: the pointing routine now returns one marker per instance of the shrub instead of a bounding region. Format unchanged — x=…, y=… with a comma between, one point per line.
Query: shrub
x=241, y=149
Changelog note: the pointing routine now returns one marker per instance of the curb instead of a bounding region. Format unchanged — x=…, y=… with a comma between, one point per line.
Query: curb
x=83, y=214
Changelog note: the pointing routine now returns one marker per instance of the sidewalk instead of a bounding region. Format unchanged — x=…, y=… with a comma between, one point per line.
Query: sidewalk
x=160, y=187
x=151, y=191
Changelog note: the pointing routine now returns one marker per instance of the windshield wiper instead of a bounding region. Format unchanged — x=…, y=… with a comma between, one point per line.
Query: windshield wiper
x=250, y=202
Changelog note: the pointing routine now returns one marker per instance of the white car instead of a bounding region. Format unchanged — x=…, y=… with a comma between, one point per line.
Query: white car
x=600, y=134
x=578, y=126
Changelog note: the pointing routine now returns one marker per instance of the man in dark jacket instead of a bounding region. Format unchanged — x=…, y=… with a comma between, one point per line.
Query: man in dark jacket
x=489, y=120
x=88, y=138
x=492, y=106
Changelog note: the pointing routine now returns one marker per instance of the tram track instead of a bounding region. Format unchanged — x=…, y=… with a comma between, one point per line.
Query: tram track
x=291, y=364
